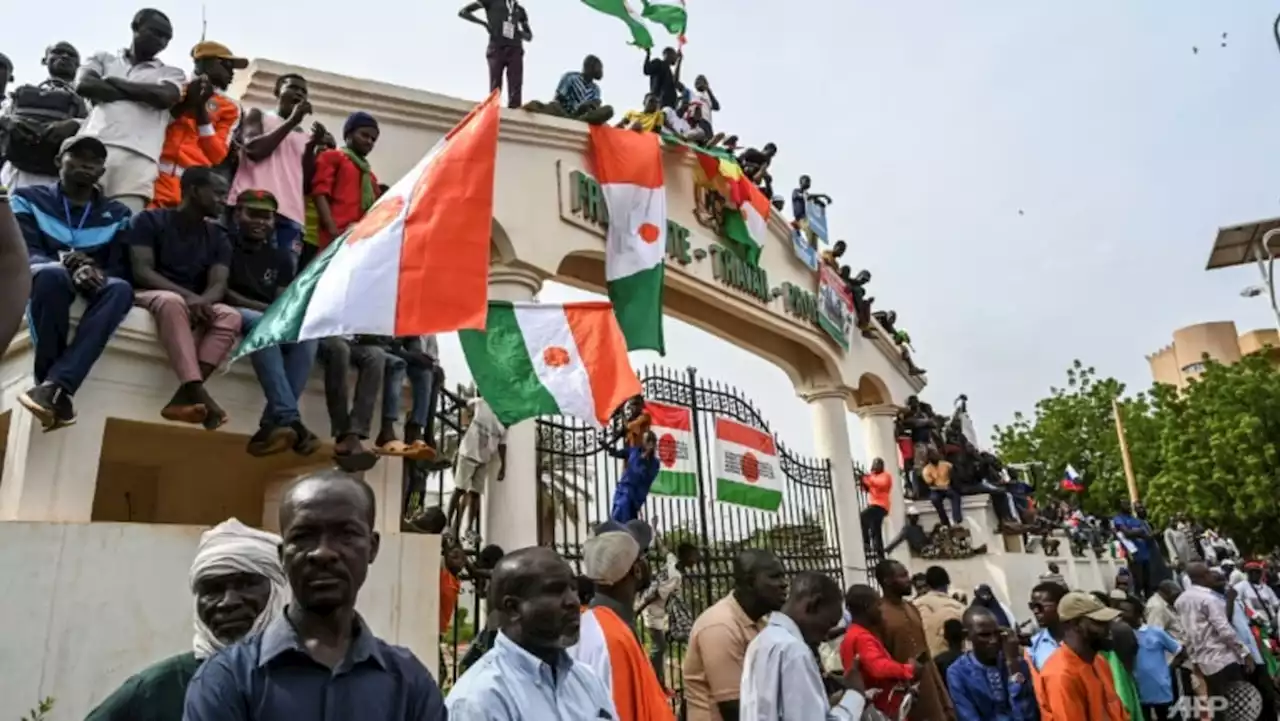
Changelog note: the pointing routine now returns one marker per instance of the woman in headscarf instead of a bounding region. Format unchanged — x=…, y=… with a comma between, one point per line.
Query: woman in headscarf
x=239, y=587
x=983, y=596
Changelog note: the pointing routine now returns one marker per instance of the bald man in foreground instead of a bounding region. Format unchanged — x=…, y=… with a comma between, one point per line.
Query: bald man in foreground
x=319, y=660
x=527, y=676
x=15, y=275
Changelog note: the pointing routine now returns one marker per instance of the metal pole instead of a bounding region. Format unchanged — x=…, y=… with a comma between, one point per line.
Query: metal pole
x=1124, y=453
x=707, y=561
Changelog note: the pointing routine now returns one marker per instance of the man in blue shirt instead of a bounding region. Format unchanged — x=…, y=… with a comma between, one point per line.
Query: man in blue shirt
x=1138, y=533
x=642, y=468
x=527, y=674
x=1044, y=607
x=991, y=682
x=318, y=661
x=1157, y=652
x=76, y=249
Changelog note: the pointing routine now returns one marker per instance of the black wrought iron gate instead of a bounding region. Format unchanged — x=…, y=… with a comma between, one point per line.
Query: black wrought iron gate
x=577, y=480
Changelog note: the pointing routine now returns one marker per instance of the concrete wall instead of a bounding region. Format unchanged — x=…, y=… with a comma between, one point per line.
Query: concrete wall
x=87, y=605
x=1009, y=571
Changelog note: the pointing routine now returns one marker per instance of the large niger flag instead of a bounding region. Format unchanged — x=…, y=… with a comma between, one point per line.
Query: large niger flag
x=673, y=425
x=417, y=263
x=608, y=646
x=747, y=469
x=621, y=9
x=628, y=166
x=534, y=359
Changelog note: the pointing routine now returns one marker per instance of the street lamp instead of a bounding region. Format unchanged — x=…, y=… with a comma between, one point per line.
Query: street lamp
x=1267, y=269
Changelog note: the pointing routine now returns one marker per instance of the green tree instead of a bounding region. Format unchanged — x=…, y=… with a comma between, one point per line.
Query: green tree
x=1218, y=441
x=1075, y=426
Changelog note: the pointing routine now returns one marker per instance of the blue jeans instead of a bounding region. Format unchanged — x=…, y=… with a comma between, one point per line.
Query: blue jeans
x=282, y=372
x=421, y=378
x=289, y=237
x=49, y=318
x=936, y=496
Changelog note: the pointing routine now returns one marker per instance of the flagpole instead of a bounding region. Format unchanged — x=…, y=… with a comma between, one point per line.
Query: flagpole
x=1124, y=453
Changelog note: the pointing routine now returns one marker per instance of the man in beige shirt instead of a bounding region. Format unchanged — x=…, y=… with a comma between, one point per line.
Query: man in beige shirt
x=937, y=607
x=719, y=639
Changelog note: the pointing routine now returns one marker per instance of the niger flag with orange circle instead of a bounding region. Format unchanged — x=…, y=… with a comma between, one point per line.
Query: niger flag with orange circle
x=628, y=167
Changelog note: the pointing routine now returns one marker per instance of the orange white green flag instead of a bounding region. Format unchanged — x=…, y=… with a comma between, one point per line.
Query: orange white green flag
x=628, y=167
x=416, y=264
x=746, y=466
x=538, y=359
x=673, y=426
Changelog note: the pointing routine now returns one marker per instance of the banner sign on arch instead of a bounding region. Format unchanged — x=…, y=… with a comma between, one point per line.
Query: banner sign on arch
x=835, y=306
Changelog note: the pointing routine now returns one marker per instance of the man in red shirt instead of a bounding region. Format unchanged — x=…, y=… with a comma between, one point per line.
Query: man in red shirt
x=344, y=186
x=879, y=670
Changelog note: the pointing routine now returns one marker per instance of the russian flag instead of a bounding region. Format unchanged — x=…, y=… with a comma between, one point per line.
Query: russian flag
x=1072, y=482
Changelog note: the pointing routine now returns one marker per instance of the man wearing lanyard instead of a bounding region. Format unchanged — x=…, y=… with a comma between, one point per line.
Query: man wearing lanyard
x=508, y=26
x=75, y=243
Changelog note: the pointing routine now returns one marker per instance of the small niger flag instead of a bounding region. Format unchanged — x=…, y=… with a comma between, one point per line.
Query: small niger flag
x=673, y=426
x=416, y=264
x=538, y=359
x=628, y=166
x=747, y=469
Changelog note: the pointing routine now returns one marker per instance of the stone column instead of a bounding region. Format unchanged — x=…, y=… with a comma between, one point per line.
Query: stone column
x=829, y=407
x=880, y=442
x=51, y=477
x=511, y=505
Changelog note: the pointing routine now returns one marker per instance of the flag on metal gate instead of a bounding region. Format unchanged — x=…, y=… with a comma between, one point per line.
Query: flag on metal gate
x=746, y=466
x=673, y=425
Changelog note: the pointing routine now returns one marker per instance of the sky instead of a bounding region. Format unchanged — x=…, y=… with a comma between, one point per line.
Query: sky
x=1028, y=183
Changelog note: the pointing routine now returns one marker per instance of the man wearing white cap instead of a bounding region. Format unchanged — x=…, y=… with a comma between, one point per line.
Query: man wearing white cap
x=614, y=560
x=239, y=587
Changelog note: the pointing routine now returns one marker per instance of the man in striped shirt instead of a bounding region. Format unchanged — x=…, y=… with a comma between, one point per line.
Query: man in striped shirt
x=578, y=95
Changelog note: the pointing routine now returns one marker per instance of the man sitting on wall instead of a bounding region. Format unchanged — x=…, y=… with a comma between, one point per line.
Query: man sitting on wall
x=181, y=259
x=239, y=588
x=75, y=242
x=260, y=271
x=578, y=95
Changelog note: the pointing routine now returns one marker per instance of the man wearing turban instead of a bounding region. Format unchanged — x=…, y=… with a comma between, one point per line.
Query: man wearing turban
x=239, y=587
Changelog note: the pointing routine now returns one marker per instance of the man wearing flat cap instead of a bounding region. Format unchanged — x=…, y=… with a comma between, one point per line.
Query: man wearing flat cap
x=614, y=560
x=1076, y=680
x=203, y=121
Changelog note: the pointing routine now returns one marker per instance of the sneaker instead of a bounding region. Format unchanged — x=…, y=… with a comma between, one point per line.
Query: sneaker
x=64, y=413
x=308, y=442
x=270, y=440
x=40, y=401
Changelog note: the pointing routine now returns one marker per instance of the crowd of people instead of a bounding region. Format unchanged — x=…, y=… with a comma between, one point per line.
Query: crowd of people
x=277, y=636
x=133, y=184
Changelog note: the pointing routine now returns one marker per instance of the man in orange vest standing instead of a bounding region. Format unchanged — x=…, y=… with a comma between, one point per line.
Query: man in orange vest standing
x=203, y=121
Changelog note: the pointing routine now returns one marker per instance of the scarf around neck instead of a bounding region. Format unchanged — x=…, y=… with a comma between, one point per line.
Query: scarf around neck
x=367, y=193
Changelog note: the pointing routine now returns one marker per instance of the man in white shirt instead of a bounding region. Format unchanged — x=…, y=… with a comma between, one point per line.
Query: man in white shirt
x=666, y=617
x=781, y=680
x=1257, y=595
x=482, y=454
x=132, y=91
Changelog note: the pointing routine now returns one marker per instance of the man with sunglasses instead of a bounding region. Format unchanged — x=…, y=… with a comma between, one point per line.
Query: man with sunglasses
x=203, y=120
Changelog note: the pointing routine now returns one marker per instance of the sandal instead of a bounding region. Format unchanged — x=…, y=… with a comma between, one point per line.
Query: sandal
x=421, y=451
x=394, y=447
x=194, y=413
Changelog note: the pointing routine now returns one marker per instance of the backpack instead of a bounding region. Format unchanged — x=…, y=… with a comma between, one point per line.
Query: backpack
x=33, y=109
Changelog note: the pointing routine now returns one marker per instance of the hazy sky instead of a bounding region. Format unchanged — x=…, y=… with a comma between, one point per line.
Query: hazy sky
x=930, y=123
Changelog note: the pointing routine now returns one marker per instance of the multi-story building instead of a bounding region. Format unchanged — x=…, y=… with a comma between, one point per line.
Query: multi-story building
x=1183, y=360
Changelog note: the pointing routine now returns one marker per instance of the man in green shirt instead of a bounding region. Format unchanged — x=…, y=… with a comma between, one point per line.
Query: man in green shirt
x=239, y=587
